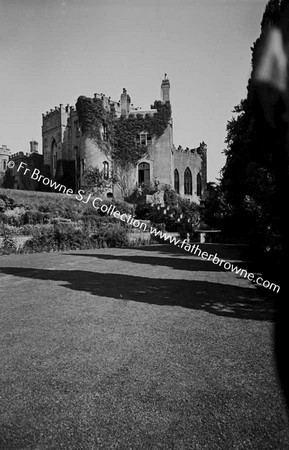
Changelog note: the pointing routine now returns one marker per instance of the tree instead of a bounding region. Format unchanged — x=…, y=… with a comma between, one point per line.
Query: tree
x=249, y=178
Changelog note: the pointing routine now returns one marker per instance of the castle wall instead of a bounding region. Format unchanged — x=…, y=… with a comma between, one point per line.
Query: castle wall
x=54, y=129
x=17, y=179
x=162, y=157
x=4, y=158
x=192, y=159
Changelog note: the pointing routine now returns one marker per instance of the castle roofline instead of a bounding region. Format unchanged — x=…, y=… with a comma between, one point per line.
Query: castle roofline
x=143, y=111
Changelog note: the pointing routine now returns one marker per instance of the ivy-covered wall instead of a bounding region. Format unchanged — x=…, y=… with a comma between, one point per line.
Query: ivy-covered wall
x=121, y=132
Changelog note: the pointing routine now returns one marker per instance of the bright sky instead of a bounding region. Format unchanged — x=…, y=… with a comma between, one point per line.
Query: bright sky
x=55, y=50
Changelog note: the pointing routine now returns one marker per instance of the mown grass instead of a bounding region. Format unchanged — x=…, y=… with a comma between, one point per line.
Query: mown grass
x=135, y=349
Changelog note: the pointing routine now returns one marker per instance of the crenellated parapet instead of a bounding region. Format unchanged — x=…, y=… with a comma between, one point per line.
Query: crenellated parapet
x=5, y=151
x=18, y=155
x=5, y=155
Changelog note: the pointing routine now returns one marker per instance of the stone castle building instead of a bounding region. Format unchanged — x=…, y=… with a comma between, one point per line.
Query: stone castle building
x=15, y=179
x=183, y=169
x=5, y=154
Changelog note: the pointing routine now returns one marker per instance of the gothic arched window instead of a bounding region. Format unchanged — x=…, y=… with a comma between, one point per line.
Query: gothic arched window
x=199, y=185
x=188, y=183
x=177, y=181
x=143, y=173
x=105, y=170
x=53, y=157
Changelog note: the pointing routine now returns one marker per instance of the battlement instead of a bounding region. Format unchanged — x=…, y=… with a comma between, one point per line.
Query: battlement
x=108, y=104
x=180, y=149
x=113, y=105
x=143, y=112
x=57, y=110
x=201, y=150
x=4, y=150
x=19, y=155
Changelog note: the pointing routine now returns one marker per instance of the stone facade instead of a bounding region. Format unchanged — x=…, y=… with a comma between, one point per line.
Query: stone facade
x=5, y=154
x=65, y=147
x=33, y=160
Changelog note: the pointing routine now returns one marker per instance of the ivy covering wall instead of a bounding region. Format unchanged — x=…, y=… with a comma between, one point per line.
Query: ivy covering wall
x=121, y=132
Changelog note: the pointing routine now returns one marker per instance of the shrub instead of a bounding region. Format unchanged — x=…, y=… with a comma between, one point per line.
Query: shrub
x=71, y=237
x=111, y=235
x=8, y=245
x=42, y=240
x=28, y=229
x=11, y=230
x=124, y=207
x=36, y=217
x=6, y=202
x=2, y=205
x=93, y=222
x=56, y=220
x=59, y=238
x=14, y=216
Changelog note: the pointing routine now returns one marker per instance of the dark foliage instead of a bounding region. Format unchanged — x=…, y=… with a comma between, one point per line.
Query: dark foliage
x=248, y=183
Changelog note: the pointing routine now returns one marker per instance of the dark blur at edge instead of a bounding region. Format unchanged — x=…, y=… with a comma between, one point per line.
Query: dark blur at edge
x=271, y=85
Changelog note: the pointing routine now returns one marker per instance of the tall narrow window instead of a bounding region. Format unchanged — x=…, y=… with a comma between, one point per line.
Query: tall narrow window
x=143, y=139
x=188, y=182
x=53, y=157
x=105, y=170
x=104, y=133
x=199, y=185
x=143, y=173
x=4, y=164
x=76, y=127
x=177, y=181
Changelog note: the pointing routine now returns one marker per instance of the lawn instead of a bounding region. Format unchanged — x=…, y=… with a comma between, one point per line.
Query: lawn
x=135, y=348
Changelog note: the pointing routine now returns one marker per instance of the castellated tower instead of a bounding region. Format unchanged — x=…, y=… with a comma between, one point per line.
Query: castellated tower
x=5, y=155
x=125, y=103
x=162, y=149
x=33, y=146
x=165, y=89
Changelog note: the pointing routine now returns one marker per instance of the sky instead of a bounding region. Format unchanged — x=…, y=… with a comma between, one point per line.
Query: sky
x=53, y=51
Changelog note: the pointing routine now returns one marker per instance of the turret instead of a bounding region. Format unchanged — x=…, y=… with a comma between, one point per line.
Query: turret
x=165, y=89
x=124, y=103
x=33, y=147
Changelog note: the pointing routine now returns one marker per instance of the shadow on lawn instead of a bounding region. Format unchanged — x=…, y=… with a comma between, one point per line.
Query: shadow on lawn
x=219, y=299
x=196, y=265
x=190, y=264
x=243, y=251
